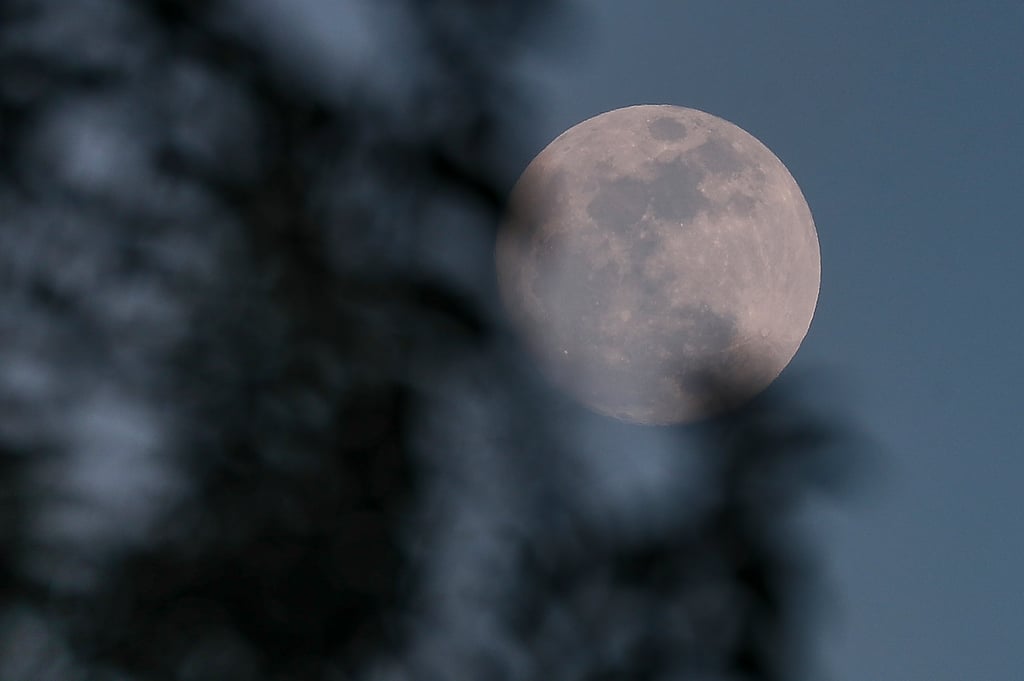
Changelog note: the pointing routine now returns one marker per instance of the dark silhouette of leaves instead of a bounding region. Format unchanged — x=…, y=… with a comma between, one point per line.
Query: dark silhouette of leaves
x=260, y=413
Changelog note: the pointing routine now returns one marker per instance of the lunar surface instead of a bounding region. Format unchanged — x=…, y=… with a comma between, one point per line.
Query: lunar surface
x=660, y=262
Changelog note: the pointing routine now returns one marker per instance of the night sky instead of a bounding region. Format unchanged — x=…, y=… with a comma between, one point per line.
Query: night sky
x=902, y=124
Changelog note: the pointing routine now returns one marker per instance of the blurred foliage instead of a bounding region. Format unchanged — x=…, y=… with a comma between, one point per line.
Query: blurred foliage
x=259, y=416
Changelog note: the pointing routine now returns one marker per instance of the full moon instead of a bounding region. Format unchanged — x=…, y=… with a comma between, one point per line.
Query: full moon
x=661, y=264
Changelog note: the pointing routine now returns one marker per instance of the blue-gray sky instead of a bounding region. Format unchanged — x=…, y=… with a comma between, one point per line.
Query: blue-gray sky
x=902, y=123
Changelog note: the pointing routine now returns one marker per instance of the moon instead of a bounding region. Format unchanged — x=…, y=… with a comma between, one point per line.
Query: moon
x=660, y=263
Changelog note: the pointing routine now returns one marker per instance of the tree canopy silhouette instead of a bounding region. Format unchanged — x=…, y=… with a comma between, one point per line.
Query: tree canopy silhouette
x=260, y=416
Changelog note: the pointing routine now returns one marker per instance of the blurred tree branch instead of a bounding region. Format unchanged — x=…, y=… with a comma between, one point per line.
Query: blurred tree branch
x=246, y=433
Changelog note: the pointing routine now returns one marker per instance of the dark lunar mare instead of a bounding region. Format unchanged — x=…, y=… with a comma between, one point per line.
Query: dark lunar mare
x=619, y=203
x=674, y=191
x=665, y=128
x=718, y=156
x=672, y=194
